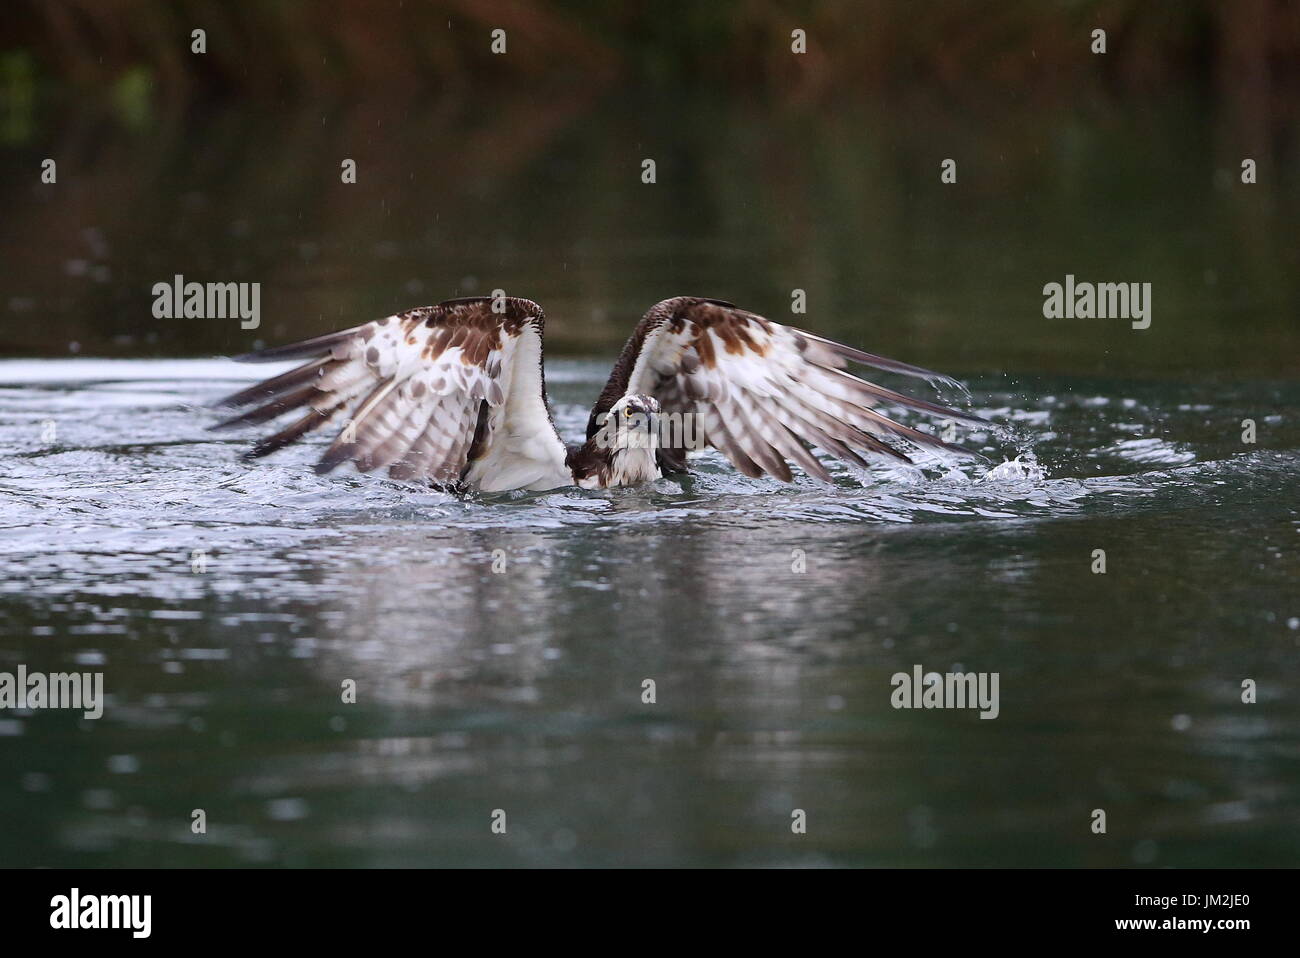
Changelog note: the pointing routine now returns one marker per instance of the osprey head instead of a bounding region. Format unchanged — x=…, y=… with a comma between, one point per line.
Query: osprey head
x=631, y=423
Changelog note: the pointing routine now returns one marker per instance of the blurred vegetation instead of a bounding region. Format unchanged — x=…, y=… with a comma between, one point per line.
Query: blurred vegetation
x=775, y=171
x=406, y=48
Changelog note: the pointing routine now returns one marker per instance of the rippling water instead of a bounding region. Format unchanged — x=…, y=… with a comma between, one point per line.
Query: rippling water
x=521, y=689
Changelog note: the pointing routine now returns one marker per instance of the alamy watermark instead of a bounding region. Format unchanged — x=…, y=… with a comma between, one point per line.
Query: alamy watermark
x=128, y=912
x=657, y=430
x=950, y=690
x=55, y=690
x=181, y=300
x=1073, y=300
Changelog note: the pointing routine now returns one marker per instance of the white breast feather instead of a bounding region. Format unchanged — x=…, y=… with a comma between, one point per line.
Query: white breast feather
x=523, y=450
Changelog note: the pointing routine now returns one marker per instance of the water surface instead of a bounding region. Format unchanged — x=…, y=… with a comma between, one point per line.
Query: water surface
x=521, y=690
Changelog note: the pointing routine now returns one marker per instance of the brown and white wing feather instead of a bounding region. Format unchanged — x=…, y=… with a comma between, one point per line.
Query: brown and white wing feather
x=448, y=393
x=765, y=392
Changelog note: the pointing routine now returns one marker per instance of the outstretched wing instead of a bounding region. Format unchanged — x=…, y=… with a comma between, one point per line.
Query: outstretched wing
x=449, y=392
x=763, y=392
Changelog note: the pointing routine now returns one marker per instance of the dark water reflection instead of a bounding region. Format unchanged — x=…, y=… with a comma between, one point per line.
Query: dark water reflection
x=522, y=690
x=541, y=194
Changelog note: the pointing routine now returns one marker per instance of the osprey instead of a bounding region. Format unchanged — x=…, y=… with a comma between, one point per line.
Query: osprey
x=455, y=394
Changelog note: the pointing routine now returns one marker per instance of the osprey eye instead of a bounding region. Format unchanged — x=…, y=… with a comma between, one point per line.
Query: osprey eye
x=627, y=411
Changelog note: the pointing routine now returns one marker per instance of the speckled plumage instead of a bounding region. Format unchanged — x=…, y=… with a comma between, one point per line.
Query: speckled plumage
x=455, y=394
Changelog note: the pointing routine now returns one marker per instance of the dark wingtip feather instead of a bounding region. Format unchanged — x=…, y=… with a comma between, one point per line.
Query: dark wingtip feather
x=904, y=369
x=277, y=353
x=339, y=452
x=875, y=444
x=892, y=365
x=277, y=406
x=293, y=431
x=909, y=402
x=841, y=450
x=270, y=388
x=880, y=362
x=925, y=440
x=916, y=436
x=305, y=349
x=955, y=449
